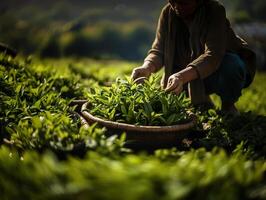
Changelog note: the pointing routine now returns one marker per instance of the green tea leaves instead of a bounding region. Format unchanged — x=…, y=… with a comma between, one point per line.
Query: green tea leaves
x=147, y=104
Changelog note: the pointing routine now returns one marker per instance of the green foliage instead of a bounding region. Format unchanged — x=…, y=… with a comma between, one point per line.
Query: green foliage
x=147, y=104
x=228, y=132
x=62, y=29
x=45, y=153
x=244, y=11
x=125, y=30
x=35, y=112
x=190, y=175
x=253, y=97
x=103, y=72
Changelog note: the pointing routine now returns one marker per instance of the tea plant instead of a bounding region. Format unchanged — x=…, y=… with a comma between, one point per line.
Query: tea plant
x=35, y=117
x=147, y=104
x=193, y=175
x=35, y=112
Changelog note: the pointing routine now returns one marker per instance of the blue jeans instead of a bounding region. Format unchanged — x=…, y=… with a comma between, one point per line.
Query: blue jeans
x=229, y=80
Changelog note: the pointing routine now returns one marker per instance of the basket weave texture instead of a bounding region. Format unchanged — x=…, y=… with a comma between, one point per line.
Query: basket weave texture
x=144, y=135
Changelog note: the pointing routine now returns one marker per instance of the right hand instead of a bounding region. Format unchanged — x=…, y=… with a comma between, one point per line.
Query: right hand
x=142, y=72
x=175, y=84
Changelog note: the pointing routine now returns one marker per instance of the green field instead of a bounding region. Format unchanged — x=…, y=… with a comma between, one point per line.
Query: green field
x=45, y=153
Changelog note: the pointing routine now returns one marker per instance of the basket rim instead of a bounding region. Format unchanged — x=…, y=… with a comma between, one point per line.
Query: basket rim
x=142, y=128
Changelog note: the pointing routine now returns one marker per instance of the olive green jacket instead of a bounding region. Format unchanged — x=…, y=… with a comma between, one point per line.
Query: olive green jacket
x=219, y=38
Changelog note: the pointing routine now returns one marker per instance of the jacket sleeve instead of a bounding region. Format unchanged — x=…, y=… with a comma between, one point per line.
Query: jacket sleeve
x=215, y=45
x=156, y=53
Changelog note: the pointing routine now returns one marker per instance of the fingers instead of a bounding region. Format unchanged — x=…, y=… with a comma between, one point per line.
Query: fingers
x=178, y=89
x=138, y=72
x=135, y=74
x=140, y=80
x=174, y=85
x=171, y=85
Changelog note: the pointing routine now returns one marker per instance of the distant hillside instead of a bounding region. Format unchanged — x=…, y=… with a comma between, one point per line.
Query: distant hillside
x=73, y=27
x=71, y=9
x=116, y=28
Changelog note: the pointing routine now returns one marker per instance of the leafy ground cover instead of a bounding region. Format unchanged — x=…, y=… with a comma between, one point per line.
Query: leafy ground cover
x=45, y=153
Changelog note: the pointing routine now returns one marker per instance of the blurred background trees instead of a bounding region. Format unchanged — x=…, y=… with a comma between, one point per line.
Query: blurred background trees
x=246, y=10
x=122, y=29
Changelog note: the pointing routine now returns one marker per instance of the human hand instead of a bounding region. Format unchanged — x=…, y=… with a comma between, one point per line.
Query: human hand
x=175, y=84
x=139, y=74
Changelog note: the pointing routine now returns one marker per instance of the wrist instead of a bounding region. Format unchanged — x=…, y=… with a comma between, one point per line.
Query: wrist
x=188, y=74
x=180, y=77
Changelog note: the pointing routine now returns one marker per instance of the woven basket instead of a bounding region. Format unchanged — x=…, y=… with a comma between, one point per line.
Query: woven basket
x=138, y=135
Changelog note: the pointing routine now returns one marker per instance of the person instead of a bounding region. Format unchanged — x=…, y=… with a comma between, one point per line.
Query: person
x=200, y=53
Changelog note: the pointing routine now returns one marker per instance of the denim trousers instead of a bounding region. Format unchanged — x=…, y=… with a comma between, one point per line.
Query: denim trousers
x=229, y=80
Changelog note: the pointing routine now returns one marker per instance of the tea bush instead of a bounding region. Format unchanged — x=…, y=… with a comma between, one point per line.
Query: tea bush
x=193, y=175
x=45, y=153
x=147, y=104
x=35, y=111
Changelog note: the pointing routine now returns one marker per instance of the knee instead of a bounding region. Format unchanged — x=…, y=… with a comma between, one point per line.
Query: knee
x=233, y=67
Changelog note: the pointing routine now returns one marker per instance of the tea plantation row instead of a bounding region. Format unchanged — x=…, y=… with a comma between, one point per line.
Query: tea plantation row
x=45, y=153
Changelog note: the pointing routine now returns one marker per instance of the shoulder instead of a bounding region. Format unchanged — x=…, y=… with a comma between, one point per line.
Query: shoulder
x=165, y=12
x=166, y=9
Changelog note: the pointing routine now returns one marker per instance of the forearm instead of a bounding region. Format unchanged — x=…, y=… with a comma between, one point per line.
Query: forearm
x=207, y=63
x=188, y=74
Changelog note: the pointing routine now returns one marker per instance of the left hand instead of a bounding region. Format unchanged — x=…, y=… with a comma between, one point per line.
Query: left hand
x=175, y=84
